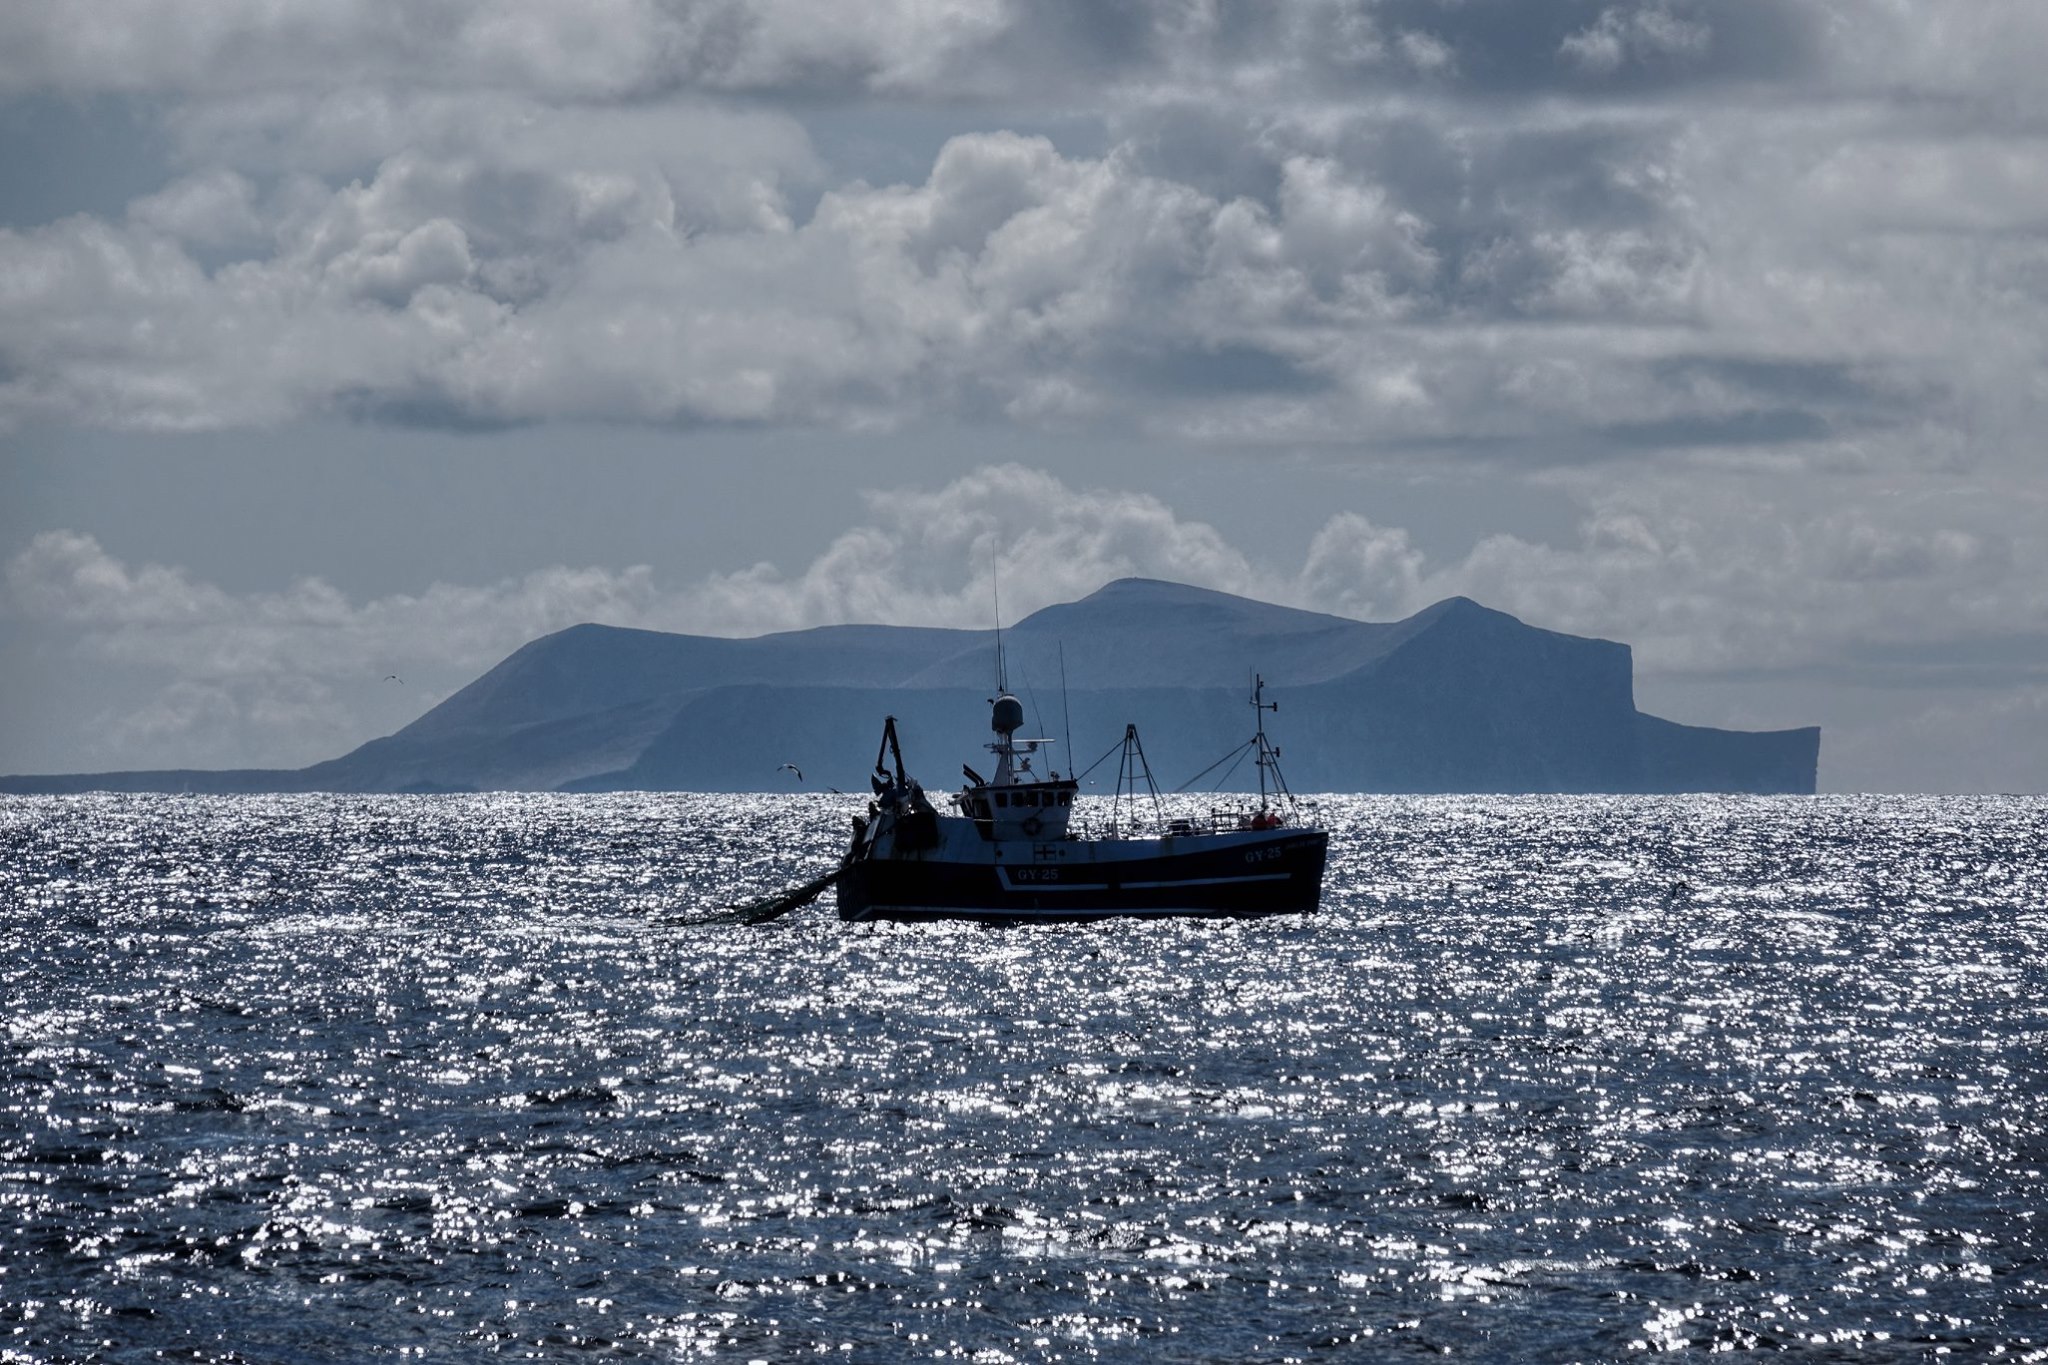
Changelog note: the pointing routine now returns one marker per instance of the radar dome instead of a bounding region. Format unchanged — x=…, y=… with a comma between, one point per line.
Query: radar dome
x=1008, y=716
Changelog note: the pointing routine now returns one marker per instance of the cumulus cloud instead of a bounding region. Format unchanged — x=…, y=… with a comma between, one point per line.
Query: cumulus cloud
x=925, y=557
x=215, y=210
x=1707, y=577
x=1016, y=283
x=1012, y=273
x=474, y=214
x=1357, y=569
x=284, y=676
x=160, y=615
x=1642, y=33
x=921, y=557
x=297, y=673
x=617, y=50
x=603, y=50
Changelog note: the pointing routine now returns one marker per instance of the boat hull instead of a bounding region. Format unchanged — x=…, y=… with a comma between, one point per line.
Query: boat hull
x=1268, y=872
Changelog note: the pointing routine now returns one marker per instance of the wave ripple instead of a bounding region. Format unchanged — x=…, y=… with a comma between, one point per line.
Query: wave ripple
x=319, y=1078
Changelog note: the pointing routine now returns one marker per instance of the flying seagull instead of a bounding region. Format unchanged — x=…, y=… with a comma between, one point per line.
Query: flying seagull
x=793, y=768
x=393, y=677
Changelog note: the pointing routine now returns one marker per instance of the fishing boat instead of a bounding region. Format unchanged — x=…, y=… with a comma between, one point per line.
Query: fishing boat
x=1009, y=850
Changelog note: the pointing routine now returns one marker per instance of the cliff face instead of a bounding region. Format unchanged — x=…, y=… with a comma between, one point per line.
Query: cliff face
x=1455, y=698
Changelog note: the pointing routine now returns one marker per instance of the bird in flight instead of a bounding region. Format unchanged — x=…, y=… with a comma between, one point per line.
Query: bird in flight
x=393, y=677
x=793, y=768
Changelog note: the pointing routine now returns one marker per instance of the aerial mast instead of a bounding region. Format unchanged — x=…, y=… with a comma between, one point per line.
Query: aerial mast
x=995, y=593
x=1269, y=757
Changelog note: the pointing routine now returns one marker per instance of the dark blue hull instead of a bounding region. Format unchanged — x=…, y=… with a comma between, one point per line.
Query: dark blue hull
x=1273, y=872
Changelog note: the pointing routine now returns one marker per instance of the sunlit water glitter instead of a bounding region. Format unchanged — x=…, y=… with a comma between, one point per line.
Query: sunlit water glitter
x=316, y=1078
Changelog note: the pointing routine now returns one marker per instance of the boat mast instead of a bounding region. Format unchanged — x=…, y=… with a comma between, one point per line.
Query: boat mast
x=890, y=748
x=1268, y=754
x=1131, y=769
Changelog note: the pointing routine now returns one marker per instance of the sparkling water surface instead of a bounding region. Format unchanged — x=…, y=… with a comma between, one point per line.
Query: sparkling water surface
x=320, y=1078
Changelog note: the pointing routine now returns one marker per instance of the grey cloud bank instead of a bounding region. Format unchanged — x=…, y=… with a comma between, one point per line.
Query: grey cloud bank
x=1756, y=288
x=1524, y=226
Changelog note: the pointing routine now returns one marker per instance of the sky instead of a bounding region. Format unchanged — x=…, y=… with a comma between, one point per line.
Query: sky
x=377, y=337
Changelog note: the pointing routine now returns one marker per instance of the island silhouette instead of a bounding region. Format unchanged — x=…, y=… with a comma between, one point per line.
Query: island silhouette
x=1456, y=698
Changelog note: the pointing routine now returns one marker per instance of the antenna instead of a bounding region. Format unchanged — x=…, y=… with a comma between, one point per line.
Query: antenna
x=1260, y=706
x=1268, y=754
x=995, y=593
x=1037, y=717
x=1066, y=716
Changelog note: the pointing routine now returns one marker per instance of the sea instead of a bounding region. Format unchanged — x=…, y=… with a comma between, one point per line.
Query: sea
x=341, y=1078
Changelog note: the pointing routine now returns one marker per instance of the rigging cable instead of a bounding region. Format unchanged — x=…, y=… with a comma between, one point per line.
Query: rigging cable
x=1237, y=753
x=1100, y=761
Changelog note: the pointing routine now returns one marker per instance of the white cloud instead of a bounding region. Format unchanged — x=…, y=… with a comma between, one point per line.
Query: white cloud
x=477, y=283
x=286, y=676
x=1357, y=569
x=1426, y=53
x=1509, y=291
x=598, y=50
x=1706, y=575
x=159, y=615
x=478, y=214
x=292, y=675
x=215, y=210
x=296, y=674
x=1636, y=33
x=925, y=558
x=391, y=267
x=65, y=576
